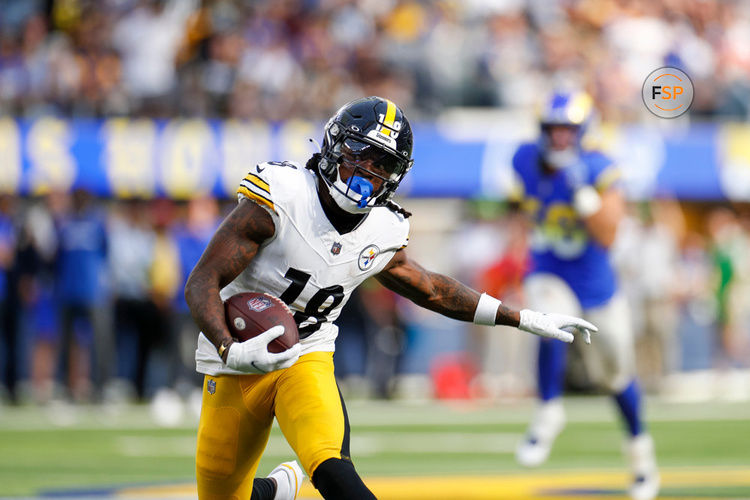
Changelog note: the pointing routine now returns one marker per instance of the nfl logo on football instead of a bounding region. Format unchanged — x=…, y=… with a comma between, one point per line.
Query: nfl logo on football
x=259, y=304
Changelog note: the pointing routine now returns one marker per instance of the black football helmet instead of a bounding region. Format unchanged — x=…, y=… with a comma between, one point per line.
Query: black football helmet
x=372, y=138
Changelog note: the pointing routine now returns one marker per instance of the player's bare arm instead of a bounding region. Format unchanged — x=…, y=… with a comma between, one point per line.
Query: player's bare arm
x=437, y=292
x=231, y=249
x=453, y=299
x=602, y=225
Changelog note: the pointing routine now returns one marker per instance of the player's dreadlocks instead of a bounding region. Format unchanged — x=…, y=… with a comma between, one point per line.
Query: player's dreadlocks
x=312, y=164
x=398, y=209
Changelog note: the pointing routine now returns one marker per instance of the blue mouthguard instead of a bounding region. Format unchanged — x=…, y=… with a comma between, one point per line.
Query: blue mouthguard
x=362, y=187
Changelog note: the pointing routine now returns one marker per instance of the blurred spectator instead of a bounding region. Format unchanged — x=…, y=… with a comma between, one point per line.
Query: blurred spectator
x=7, y=326
x=647, y=255
x=484, y=251
x=144, y=272
x=730, y=251
x=697, y=307
x=504, y=276
x=693, y=277
x=35, y=263
x=136, y=321
x=386, y=337
x=507, y=357
x=81, y=263
x=371, y=342
x=191, y=237
x=148, y=39
x=164, y=283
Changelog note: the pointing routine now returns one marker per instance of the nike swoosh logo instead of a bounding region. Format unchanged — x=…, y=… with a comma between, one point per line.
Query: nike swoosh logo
x=259, y=168
x=257, y=367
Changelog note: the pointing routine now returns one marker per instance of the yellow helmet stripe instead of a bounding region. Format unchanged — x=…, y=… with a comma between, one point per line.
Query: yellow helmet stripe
x=390, y=116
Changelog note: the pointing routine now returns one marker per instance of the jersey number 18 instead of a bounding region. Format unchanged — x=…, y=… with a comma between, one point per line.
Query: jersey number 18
x=310, y=320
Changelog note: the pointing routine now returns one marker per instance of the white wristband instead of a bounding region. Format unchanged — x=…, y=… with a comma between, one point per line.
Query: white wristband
x=586, y=201
x=486, y=310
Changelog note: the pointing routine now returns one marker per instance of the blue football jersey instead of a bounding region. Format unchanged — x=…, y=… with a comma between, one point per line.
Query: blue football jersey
x=560, y=243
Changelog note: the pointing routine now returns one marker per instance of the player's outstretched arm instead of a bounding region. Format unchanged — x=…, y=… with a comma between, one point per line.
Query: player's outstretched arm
x=231, y=249
x=436, y=292
x=452, y=298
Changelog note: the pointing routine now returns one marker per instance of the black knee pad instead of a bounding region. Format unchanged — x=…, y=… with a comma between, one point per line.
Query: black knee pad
x=336, y=479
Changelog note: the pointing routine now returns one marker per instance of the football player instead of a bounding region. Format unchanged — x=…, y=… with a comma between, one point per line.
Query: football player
x=571, y=195
x=310, y=235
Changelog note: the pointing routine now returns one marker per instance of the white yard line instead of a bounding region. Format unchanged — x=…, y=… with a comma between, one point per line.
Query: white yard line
x=383, y=414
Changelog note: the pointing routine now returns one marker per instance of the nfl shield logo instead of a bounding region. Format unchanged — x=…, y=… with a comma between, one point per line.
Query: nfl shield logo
x=336, y=248
x=211, y=386
x=259, y=304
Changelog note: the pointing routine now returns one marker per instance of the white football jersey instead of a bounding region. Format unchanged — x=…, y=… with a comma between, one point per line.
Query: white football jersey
x=307, y=263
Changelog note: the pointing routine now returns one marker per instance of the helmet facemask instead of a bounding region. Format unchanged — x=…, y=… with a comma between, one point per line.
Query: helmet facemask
x=560, y=157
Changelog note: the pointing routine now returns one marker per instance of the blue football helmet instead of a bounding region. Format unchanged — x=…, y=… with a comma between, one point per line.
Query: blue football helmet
x=572, y=109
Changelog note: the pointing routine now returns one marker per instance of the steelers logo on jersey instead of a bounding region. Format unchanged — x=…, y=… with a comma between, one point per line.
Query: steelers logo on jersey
x=367, y=257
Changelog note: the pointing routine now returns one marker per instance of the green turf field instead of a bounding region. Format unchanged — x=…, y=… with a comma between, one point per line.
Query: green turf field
x=703, y=449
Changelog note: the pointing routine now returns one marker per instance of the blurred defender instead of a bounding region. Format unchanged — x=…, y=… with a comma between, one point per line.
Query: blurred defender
x=571, y=196
x=310, y=236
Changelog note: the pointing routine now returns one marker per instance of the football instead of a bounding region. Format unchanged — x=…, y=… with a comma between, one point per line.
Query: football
x=249, y=314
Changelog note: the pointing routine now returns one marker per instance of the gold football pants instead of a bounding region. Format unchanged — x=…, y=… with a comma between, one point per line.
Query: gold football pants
x=237, y=414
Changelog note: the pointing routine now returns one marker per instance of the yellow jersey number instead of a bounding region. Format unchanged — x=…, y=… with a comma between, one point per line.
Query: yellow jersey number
x=561, y=232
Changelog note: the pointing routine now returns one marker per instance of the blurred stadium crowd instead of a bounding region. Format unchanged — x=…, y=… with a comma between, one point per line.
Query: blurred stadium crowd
x=92, y=293
x=303, y=58
x=92, y=289
x=92, y=298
